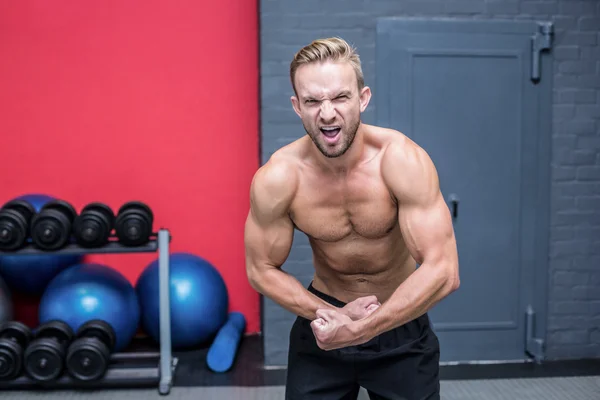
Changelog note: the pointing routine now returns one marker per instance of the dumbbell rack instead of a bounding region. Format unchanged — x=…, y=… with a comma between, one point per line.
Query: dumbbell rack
x=115, y=376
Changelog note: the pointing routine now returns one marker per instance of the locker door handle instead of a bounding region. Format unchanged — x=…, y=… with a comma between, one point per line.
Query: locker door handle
x=454, y=204
x=540, y=41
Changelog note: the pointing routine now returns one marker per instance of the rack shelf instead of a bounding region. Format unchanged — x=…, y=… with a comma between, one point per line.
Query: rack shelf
x=142, y=372
x=113, y=247
x=117, y=376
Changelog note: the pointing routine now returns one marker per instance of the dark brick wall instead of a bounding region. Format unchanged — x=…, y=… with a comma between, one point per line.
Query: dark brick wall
x=574, y=293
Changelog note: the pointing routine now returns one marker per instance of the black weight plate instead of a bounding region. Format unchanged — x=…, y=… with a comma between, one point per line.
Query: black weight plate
x=133, y=231
x=22, y=207
x=98, y=329
x=91, y=229
x=13, y=230
x=133, y=228
x=50, y=230
x=101, y=208
x=63, y=207
x=58, y=330
x=43, y=360
x=87, y=359
x=93, y=225
x=16, y=331
x=133, y=225
x=138, y=205
x=11, y=354
x=90, y=232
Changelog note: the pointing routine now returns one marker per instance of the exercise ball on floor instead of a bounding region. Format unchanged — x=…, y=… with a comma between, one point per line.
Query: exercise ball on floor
x=6, y=306
x=93, y=291
x=198, y=295
x=31, y=274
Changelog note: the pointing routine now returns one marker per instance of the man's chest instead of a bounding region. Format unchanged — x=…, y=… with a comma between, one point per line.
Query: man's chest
x=331, y=210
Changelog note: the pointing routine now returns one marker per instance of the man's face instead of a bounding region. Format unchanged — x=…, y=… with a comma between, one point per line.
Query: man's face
x=329, y=104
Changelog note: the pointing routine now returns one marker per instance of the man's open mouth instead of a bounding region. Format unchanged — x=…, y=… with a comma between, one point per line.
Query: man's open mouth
x=331, y=131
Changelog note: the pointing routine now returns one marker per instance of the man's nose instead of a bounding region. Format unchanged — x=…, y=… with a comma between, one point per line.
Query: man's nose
x=327, y=111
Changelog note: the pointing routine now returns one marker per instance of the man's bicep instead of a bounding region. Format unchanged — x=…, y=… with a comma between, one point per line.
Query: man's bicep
x=267, y=241
x=423, y=215
x=269, y=229
x=427, y=229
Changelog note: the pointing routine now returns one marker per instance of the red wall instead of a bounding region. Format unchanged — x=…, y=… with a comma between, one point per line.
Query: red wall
x=152, y=100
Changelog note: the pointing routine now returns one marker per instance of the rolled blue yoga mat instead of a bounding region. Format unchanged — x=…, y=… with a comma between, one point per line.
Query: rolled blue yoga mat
x=223, y=350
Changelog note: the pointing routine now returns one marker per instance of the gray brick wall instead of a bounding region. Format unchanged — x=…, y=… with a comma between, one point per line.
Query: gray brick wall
x=574, y=293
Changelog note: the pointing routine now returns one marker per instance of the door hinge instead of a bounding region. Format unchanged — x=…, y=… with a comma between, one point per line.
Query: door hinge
x=540, y=41
x=534, y=346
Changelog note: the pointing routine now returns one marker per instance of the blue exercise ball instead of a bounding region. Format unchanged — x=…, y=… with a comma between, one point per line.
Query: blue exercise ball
x=93, y=291
x=30, y=274
x=198, y=295
x=37, y=200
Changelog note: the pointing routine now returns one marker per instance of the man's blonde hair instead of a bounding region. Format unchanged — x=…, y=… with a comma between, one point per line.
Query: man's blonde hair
x=328, y=49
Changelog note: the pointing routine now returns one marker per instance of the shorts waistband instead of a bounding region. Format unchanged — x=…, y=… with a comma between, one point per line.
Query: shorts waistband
x=330, y=299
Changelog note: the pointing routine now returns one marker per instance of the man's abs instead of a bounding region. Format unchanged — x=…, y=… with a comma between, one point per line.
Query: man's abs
x=356, y=267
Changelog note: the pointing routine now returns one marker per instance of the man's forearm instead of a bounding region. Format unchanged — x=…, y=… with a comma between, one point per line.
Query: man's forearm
x=413, y=298
x=288, y=292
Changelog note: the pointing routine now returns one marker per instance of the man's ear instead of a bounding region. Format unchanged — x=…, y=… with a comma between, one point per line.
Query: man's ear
x=296, y=105
x=365, y=97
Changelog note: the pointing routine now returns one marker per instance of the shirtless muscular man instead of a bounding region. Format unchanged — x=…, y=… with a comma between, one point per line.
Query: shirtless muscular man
x=369, y=200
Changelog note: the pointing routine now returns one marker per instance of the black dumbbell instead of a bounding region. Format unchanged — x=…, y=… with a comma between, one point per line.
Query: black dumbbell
x=133, y=225
x=14, y=336
x=88, y=356
x=44, y=357
x=51, y=228
x=93, y=225
x=15, y=217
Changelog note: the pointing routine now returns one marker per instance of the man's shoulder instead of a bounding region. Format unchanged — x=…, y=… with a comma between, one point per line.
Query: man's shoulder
x=397, y=148
x=405, y=166
x=281, y=166
x=278, y=177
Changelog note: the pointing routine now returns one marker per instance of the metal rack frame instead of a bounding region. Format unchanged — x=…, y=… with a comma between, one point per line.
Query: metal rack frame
x=162, y=365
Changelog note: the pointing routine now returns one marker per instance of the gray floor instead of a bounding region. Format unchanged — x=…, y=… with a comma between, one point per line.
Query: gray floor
x=577, y=388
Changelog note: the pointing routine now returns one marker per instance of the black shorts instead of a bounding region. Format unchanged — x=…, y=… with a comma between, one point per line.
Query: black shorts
x=399, y=364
